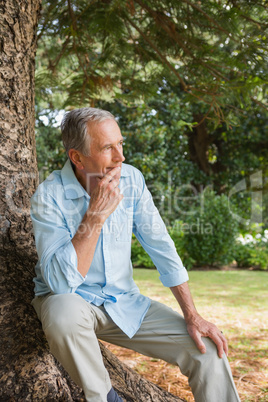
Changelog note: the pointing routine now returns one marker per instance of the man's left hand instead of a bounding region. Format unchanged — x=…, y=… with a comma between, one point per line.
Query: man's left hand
x=198, y=327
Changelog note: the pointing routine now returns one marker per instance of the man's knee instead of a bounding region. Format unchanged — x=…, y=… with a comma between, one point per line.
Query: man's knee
x=65, y=315
x=188, y=357
x=210, y=361
x=210, y=356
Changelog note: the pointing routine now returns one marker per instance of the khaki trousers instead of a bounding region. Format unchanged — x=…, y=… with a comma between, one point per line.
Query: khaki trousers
x=72, y=326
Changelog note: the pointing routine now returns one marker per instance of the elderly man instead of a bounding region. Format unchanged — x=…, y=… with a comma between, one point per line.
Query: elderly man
x=83, y=218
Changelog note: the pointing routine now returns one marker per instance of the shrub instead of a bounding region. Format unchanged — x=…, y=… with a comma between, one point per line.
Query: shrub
x=252, y=254
x=209, y=234
x=177, y=235
x=139, y=256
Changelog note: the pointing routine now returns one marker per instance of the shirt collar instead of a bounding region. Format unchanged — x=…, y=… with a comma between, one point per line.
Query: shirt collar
x=73, y=188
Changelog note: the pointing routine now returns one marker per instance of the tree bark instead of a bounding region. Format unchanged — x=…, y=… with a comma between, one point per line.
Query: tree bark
x=28, y=372
x=18, y=160
x=198, y=144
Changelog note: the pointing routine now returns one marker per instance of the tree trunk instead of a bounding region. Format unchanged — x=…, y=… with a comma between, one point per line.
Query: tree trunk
x=28, y=371
x=198, y=144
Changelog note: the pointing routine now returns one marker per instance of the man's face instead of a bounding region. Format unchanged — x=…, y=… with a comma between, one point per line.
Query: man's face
x=106, y=152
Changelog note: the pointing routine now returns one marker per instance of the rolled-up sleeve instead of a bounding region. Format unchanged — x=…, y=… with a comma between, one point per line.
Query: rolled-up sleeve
x=151, y=232
x=57, y=255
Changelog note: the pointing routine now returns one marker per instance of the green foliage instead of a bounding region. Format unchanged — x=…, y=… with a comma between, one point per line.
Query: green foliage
x=167, y=62
x=139, y=256
x=209, y=233
x=248, y=255
x=141, y=259
x=158, y=142
x=252, y=254
x=158, y=66
x=215, y=52
x=50, y=152
x=177, y=234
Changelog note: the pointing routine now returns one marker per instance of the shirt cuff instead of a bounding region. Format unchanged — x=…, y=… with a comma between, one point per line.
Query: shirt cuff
x=175, y=278
x=68, y=264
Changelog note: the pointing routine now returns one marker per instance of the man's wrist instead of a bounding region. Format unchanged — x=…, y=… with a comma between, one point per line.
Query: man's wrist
x=91, y=225
x=191, y=317
x=94, y=218
x=189, y=311
x=184, y=298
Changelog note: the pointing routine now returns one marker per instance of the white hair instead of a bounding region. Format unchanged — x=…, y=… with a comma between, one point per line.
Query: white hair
x=75, y=129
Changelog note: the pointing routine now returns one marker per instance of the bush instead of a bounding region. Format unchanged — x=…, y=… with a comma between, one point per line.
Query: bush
x=177, y=235
x=253, y=254
x=139, y=256
x=209, y=234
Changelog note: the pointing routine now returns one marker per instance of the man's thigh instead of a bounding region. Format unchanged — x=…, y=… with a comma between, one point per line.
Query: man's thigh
x=163, y=334
x=69, y=310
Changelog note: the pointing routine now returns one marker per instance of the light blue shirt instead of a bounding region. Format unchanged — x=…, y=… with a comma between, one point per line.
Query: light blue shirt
x=57, y=209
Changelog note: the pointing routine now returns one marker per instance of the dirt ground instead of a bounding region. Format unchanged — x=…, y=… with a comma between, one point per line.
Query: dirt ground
x=248, y=370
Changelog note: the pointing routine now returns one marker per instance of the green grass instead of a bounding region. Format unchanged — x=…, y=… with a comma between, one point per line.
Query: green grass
x=244, y=290
x=223, y=295
x=237, y=302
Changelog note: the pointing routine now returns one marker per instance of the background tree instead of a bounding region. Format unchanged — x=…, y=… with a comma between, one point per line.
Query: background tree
x=215, y=53
x=187, y=83
x=200, y=69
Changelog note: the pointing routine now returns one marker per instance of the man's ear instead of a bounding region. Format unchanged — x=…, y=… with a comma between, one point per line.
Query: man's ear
x=76, y=159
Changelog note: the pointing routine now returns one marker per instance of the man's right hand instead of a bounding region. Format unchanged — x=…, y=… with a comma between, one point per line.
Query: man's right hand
x=104, y=199
x=106, y=196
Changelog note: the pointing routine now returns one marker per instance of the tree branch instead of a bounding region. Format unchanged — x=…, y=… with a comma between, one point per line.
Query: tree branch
x=53, y=64
x=160, y=55
x=206, y=15
x=170, y=27
x=263, y=105
x=48, y=17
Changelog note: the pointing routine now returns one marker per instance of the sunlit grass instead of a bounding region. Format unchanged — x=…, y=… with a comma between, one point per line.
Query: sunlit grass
x=237, y=302
x=232, y=288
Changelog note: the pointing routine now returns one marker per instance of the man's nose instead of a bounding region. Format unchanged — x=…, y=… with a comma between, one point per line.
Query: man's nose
x=118, y=155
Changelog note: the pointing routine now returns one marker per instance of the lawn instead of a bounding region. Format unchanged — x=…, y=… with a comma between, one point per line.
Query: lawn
x=237, y=302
